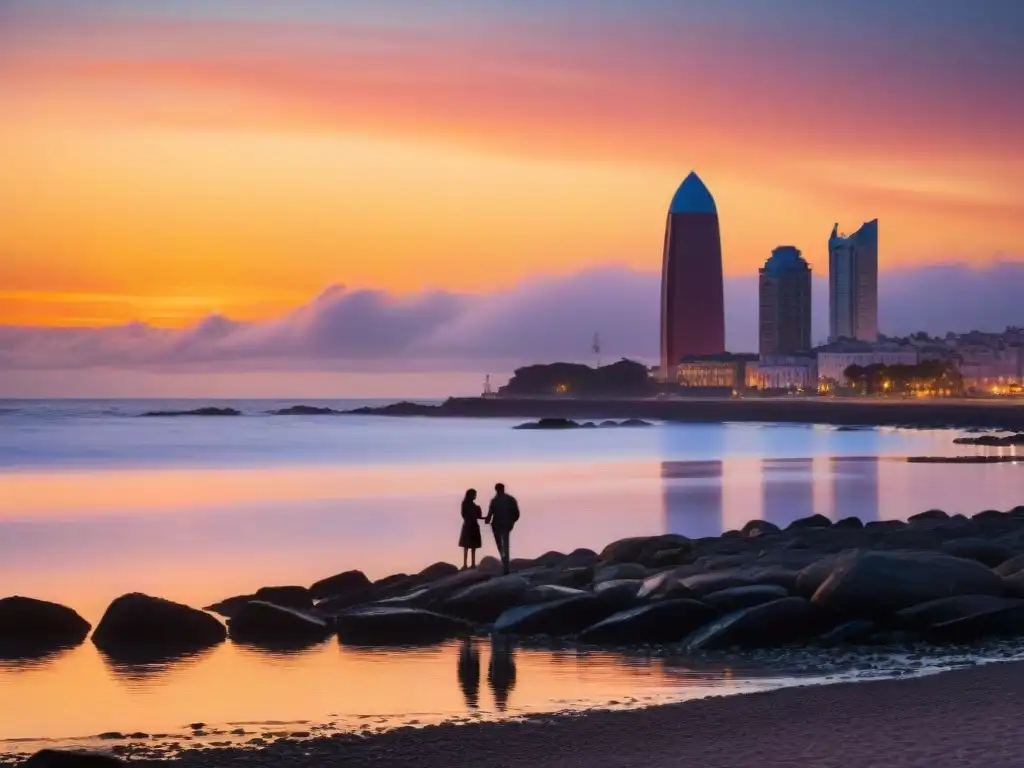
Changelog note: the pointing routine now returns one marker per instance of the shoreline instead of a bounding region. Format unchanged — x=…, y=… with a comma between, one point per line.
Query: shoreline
x=964, y=717
x=931, y=414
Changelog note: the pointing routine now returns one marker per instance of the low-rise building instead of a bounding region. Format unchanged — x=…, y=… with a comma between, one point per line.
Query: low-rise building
x=725, y=371
x=834, y=359
x=787, y=372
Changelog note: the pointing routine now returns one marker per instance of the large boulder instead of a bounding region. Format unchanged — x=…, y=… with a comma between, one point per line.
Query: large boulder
x=663, y=586
x=761, y=626
x=547, y=593
x=1010, y=567
x=260, y=622
x=487, y=600
x=756, y=528
x=736, y=598
x=935, y=515
x=438, y=590
x=381, y=625
x=872, y=584
x=28, y=625
x=706, y=583
x=990, y=553
x=620, y=571
x=66, y=758
x=339, y=584
x=815, y=574
x=1006, y=621
x=557, y=619
x=814, y=521
x=289, y=597
x=925, y=615
x=854, y=632
x=640, y=548
x=580, y=558
x=436, y=571
x=138, y=622
x=664, y=621
x=620, y=593
x=853, y=523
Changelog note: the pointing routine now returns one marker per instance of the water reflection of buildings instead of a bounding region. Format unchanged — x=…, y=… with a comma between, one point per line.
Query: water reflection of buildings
x=787, y=490
x=855, y=487
x=692, y=497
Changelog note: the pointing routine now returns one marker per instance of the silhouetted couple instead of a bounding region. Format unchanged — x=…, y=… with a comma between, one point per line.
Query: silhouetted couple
x=502, y=515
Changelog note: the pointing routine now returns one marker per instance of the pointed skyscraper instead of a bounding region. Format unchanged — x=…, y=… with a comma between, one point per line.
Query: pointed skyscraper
x=692, y=286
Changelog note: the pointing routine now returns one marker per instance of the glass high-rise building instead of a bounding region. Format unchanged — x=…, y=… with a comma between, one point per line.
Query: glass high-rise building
x=853, y=284
x=784, y=311
x=692, y=286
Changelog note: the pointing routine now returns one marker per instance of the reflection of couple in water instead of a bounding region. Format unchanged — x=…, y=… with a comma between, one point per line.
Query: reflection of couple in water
x=501, y=672
x=502, y=515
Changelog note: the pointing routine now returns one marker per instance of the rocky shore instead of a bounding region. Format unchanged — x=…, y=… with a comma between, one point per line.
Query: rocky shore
x=934, y=579
x=925, y=414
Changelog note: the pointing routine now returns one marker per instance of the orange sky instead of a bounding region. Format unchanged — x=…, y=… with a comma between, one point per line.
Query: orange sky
x=164, y=168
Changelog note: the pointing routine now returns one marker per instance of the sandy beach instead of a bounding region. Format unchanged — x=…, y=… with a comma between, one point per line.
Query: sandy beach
x=963, y=718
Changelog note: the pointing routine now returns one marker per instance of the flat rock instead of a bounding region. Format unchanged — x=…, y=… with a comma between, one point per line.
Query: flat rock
x=339, y=584
x=925, y=615
x=869, y=584
x=30, y=624
x=487, y=600
x=262, y=622
x=66, y=758
x=765, y=626
x=761, y=626
x=138, y=621
x=990, y=553
x=438, y=590
x=737, y=598
x=556, y=619
x=380, y=625
x=664, y=621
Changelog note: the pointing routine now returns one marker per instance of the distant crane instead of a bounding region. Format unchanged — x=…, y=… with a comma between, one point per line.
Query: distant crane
x=488, y=392
x=595, y=347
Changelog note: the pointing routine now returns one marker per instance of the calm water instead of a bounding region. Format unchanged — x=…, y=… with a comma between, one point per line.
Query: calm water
x=95, y=502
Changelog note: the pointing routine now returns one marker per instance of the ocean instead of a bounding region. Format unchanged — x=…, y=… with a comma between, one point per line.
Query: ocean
x=96, y=501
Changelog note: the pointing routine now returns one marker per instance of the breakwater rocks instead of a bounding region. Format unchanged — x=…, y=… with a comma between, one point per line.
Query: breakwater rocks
x=207, y=411
x=560, y=424
x=924, y=414
x=993, y=441
x=935, y=578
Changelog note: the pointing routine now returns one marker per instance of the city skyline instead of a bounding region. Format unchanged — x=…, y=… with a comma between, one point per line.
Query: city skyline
x=202, y=186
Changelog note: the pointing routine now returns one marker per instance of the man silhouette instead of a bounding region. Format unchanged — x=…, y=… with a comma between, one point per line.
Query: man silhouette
x=502, y=515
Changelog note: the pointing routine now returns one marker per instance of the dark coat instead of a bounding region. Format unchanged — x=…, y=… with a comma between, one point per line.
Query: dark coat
x=470, y=536
x=503, y=512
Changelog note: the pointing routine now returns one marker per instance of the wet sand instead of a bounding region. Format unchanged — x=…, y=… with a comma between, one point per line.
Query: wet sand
x=964, y=718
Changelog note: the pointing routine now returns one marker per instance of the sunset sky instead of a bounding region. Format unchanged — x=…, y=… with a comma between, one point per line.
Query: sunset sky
x=167, y=160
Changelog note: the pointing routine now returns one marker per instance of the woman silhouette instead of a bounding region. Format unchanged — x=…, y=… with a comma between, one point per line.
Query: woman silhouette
x=469, y=539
